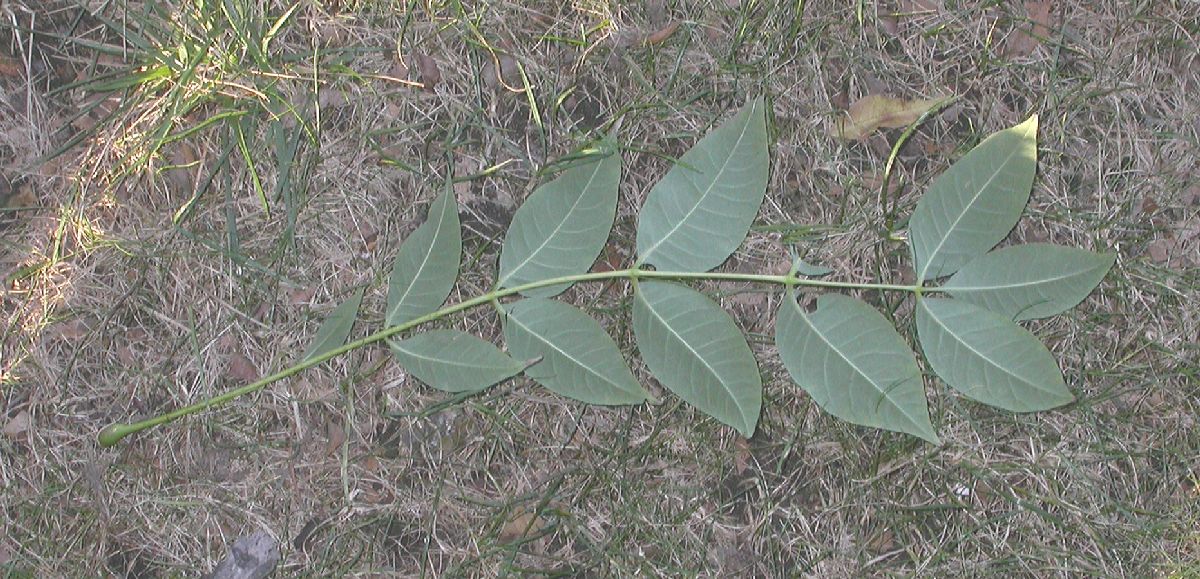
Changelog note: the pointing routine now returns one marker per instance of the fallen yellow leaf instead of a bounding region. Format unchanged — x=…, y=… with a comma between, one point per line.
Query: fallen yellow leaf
x=872, y=112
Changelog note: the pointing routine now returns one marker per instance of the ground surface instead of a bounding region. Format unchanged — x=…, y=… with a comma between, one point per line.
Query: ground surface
x=139, y=278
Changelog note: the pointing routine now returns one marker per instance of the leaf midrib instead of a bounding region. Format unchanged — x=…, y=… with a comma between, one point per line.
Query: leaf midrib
x=963, y=213
x=447, y=361
x=645, y=258
x=557, y=227
x=981, y=288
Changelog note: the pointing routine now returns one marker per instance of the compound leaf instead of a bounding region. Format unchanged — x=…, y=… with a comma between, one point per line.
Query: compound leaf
x=700, y=212
x=694, y=348
x=562, y=227
x=988, y=357
x=975, y=203
x=336, y=328
x=454, y=361
x=1025, y=282
x=578, y=358
x=427, y=264
x=854, y=364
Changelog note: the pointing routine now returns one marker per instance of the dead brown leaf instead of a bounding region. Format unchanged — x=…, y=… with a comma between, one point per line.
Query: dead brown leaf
x=873, y=112
x=521, y=525
x=19, y=425
x=10, y=66
x=431, y=73
x=334, y=438
x=919, y=7
x=1160, y=250
x=241, y=368
x=661, y=35
x=1026, y=38
x=741, y=455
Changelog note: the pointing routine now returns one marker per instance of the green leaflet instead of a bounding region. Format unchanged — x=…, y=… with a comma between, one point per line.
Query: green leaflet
x=988, y=357
x=1024, y=282
x=336, y=328
x=579, y=359
x=975, y=203
x=700, y=212
x=454, y=361
x=694, y=348
x=854, y=364
x=427, y=264
x=562, y=226
x=809, y=270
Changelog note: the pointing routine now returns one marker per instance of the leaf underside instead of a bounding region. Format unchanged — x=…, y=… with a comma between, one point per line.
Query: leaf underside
x=854, y=364
x=578, y=358
x=989, y=358
x=562, y=227
x=427, y=264
x=694, y=349
x=454, y=361
x=1025, y=282
x=974, y=204
x=701, y=210
x=336, y=328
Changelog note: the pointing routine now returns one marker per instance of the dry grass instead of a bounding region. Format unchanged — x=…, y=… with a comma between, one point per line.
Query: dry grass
x=113, y=311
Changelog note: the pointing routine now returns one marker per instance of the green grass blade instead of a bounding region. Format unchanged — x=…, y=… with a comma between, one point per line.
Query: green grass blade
x=701, y=210
x=1025, y=282
x=578, y=358
x=975, y=203
x=427, y=264
x=336, y=328
x=854, y=364
x=454, y=361
x=696, y=350
x=562, y=227
x=988, y=357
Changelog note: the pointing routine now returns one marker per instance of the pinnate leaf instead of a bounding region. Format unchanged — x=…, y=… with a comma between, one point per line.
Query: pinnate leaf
x=562, y=227
x=427, y=264
x=1024, y=282
x=336, y=328
x=701, y=210
x=694, y=348
x=578, y=359
x=988, y=357
x=854, y=364
x=454, y=361
x=974, y=204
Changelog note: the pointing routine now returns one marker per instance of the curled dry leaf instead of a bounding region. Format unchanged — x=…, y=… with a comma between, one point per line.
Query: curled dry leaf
x=662, y=34
x=873, y=112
